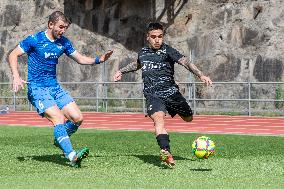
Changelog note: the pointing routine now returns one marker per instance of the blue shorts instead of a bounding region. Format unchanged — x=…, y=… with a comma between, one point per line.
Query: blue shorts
x=45, y=97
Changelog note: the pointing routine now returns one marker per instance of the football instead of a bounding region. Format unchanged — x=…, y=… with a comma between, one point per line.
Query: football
x=203, y=147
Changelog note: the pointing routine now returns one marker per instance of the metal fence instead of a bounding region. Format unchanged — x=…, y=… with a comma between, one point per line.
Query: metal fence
x=243, y=98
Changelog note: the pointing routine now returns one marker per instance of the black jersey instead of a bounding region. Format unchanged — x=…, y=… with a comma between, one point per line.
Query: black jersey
x=158, y=70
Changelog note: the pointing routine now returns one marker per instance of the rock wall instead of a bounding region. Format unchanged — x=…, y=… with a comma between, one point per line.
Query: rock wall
x=229, y=40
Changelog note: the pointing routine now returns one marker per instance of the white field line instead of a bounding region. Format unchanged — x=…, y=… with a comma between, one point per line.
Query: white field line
x=260, y=129
x=231, y=128
x=218, y=124
x=246, y=125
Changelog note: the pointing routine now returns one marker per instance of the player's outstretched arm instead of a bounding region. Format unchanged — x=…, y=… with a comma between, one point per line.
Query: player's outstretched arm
x=117, y=76
x=133, y=66
x=192, y=68
x=82, y=59
x=106, y=56
x=13, y=62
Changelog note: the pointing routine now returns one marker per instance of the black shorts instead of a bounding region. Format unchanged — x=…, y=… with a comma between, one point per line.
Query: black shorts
x=174, y=104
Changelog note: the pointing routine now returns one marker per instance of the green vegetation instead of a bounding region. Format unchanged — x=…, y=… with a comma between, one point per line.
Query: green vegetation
x=229, y=113
x=126, y=159
x=279, y=95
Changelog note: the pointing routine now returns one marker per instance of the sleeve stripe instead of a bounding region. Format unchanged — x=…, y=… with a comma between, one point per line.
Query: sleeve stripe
x=72, y=53
x=21, y=48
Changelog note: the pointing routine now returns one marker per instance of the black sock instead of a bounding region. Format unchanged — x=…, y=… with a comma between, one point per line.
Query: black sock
x=164, y=141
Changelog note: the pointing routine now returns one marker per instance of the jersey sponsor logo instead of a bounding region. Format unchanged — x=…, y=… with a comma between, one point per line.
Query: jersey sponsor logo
x=149, y=65
x=50, y=55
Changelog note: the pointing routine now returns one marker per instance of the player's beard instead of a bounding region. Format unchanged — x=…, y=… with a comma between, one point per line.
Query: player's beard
x=156, y=46
x=56, y=35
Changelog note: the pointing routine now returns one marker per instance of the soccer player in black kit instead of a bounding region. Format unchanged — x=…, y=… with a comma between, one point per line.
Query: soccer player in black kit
x=160, y=90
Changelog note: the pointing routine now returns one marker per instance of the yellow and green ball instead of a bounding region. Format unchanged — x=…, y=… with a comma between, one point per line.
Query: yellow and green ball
x=203, y=147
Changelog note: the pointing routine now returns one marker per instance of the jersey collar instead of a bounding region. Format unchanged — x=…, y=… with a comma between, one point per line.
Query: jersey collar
x=155, y=50
x=45, y=33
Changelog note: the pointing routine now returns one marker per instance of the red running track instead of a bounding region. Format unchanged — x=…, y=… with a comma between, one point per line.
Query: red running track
x=200, y=124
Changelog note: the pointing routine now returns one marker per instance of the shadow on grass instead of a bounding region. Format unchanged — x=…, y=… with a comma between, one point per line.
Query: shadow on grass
x=150, y=159
x=53, y=158
x=155, y=160
x=201, y=169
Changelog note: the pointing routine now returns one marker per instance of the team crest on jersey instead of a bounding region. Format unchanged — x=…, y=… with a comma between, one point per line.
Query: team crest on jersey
x=59, y=46
x=161, y=51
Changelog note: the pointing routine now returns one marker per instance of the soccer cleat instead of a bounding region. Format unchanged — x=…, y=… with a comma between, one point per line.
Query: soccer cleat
x=80, y=155
x=167, y=158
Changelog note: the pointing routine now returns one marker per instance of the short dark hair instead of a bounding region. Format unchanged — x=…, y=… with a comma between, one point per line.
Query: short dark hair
x=58, y=15
x=155, y=26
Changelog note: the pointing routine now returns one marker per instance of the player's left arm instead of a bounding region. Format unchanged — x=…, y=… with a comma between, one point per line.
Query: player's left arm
x=184, y=61
x=82, y=59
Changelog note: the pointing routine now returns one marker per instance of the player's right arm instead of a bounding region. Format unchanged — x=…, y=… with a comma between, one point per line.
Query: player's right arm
x=82, y=59
x=13, y=62
x=133, y=66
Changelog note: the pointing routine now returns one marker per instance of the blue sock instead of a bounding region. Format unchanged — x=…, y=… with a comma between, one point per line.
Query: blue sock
x=71, y=127
x=63, y=139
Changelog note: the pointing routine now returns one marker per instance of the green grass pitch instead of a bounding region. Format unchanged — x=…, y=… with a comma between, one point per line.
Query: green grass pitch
x=129, y=159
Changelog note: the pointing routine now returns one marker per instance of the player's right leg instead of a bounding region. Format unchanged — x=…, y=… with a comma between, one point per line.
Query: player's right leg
x=61, y=138
x=156, y=111
x=54, y=115
x=163, y=139
x=167, y=158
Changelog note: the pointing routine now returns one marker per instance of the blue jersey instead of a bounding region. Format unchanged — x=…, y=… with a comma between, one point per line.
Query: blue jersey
x=43, y=54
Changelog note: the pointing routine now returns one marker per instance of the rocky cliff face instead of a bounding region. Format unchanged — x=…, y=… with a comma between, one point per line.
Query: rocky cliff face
x=229, y=40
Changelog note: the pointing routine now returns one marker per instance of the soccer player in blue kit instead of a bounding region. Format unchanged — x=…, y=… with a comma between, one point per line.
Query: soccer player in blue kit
x=44, y=92
x=160, y=90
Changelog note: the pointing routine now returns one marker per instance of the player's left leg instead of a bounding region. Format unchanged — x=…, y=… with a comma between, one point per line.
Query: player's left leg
x=69, y=109
x=176, y=104
x=187, y=119
x=75, y=118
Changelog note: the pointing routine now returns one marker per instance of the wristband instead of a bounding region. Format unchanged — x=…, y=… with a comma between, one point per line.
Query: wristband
x=97, y=61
